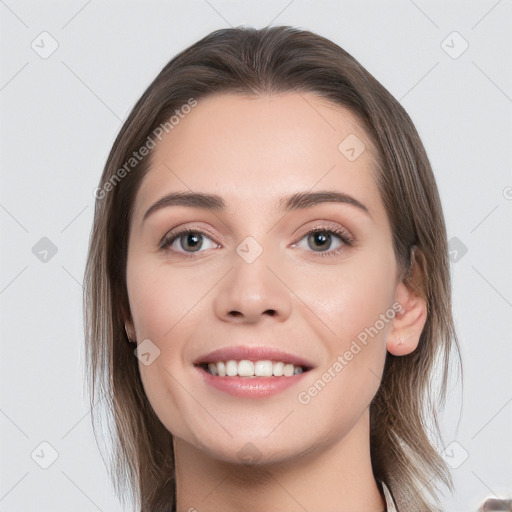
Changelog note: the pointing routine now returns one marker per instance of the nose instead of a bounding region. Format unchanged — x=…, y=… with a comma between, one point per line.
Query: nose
x=252, y=293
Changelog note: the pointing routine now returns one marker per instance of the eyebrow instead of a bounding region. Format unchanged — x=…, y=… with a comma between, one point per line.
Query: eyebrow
x=297, y=201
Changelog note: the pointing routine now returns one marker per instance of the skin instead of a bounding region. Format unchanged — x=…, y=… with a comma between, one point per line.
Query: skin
x=253, y=151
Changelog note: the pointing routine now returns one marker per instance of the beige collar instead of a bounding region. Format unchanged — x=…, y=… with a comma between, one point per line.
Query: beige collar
x=390, y=504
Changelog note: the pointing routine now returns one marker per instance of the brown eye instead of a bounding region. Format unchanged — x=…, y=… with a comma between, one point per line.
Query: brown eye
x=185, y=241
x=321, y=240
x=191, y=241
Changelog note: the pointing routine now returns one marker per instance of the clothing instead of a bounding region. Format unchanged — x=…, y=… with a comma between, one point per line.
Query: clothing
x=390, y=504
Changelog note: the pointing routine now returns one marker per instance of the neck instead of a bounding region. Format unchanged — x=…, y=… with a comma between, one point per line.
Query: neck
x=333, y=478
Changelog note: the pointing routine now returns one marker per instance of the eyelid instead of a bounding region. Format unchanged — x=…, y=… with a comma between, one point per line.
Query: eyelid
x=322, y=225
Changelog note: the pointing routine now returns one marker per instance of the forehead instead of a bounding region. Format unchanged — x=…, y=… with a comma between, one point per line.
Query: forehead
x=248, y=148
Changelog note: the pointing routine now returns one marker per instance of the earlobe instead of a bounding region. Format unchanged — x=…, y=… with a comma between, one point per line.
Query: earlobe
x=130, y=331
x=128, y=324
x=402, y=345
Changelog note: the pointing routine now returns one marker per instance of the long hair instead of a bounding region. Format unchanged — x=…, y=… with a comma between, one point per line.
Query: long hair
x=404, y=434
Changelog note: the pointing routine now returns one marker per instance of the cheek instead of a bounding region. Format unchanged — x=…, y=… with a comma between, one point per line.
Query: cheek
x=159, y=308
x=161, y=300
x=357, y=308
x=166, y=305
x=356, y=304
x=353, y=296
x=361, y=303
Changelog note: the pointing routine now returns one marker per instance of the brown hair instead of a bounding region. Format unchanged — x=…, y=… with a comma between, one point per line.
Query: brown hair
x=275, y=60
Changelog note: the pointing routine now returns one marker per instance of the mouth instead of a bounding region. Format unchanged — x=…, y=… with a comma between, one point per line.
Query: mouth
x=250, y=369
x=252, y=361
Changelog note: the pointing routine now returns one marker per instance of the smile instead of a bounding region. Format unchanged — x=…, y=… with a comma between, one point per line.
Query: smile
x=247, y=368
x=248, y=371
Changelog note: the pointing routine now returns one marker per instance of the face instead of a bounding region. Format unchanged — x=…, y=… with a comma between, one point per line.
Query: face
x=315, y=280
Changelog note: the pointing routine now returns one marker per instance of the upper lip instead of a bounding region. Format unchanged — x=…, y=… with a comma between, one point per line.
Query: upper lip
x=252, y=353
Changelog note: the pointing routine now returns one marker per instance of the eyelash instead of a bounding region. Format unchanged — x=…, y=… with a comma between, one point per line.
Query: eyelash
x=347, y=240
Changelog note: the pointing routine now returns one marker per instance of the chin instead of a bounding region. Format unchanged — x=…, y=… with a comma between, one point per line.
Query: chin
x=256, y=452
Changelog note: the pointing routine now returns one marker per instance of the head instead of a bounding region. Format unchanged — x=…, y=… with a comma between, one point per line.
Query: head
x=257, y=117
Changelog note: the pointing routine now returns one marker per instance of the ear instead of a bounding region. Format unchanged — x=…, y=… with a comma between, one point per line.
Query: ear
x=408, y=323
x=128, y=326
x=130, y=332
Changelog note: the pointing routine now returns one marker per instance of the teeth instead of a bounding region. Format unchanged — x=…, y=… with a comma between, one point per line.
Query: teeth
x=263, y=368
x=288, y=370
x=231, y=368
x=278, y=369
x=221, y=369
x=245, y=368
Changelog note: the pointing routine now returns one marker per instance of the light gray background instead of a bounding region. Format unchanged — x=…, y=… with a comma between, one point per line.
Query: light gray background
x=59, y=117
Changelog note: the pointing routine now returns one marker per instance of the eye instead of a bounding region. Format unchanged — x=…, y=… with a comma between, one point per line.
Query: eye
x=190, y=240
x=320, y=239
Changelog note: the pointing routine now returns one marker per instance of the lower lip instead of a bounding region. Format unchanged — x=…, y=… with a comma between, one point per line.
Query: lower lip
x=250, y=387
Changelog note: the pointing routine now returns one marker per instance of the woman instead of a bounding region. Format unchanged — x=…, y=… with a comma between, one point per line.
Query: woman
x=269, y=243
